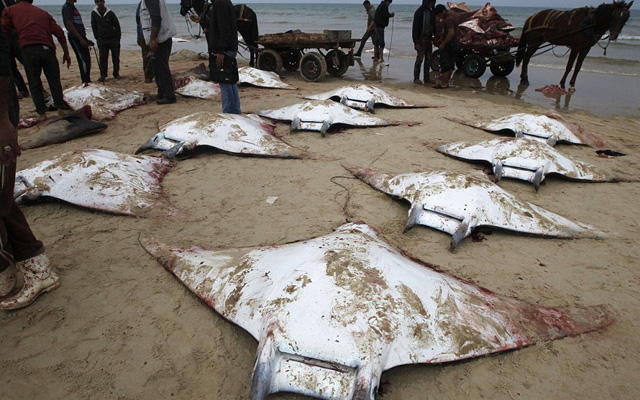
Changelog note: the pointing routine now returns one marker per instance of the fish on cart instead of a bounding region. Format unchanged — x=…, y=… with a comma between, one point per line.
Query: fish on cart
x=365, y=97
x=318, y=115
x=457, y=204
x=232, y=133
x=528, y=160
x=333, y=312
x=97, y=179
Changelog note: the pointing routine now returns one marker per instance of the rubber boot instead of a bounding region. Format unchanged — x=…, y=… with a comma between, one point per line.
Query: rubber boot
x=38, y=279
x=7, y=280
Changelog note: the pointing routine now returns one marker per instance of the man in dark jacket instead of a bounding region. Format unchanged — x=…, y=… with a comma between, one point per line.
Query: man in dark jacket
x=424, y=22
x=381, y=21
x=223, y=43
x=106, y=30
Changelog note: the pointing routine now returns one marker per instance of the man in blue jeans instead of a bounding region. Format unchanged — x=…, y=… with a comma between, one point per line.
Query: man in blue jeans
x=223, y=42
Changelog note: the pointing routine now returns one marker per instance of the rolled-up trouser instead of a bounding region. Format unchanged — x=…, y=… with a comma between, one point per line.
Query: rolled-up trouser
x=229, y=93
x=380, y=37
x=147, y=68
x=448, y=56
x=39, y=58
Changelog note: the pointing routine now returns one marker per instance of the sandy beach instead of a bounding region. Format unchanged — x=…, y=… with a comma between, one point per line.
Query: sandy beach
x=122, y=327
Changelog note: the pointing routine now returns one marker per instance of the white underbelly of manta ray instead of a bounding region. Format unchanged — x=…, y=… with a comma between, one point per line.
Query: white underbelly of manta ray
x=331, y=313
x=456, y=204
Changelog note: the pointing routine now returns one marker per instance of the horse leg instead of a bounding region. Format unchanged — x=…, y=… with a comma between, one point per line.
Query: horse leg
x=581, y=58
x=572, y=59
x=524, y=73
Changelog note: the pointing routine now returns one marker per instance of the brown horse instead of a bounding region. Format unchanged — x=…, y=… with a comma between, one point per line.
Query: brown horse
x=578, y=29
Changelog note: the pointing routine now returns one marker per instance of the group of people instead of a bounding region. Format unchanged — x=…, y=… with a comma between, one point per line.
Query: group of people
x=27, y=35
x=423, y=33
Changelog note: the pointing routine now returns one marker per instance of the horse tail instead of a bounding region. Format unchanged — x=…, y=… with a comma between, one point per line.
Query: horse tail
x=522, y=45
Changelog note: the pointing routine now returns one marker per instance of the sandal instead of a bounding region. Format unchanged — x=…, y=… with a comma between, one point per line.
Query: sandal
x=438, y=86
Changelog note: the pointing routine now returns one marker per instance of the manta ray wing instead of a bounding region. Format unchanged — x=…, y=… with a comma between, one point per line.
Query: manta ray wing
x=456, y=204
x=538, y=127
x=331, y=313
x=191, y=86
x=231, y=133
x=528, y=160
x=364, y=97
x=97, y=179
x=64, y=128
x=257, y=77
x=321, y=115
x=105, y=101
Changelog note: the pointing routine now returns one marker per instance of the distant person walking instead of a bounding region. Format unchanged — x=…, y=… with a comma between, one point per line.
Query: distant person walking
x=35, y=28
x=424, y=22
x=147, y=68
x=77, y=35
x=158, y=30
x=381, y=20
x=106, y=30
x=371, y=27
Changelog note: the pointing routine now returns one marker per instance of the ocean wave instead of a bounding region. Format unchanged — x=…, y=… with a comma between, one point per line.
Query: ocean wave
x=628, y=37
x=587, y=69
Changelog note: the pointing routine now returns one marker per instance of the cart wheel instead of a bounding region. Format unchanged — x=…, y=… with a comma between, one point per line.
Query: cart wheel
x=291, y=60
x=313, y=67
x=270, y=60
x=503, y=68
x=337, y=63
x=474, y=65
x=434, y=61
x=460, y=57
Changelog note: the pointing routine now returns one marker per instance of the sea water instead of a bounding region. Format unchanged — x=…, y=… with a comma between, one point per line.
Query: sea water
x=608, y=84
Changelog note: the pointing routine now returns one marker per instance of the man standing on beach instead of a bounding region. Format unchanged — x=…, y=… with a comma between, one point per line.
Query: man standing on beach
x=223, y=43
x=147, y=69
x=371, y=27
x=35, y=28
x=158, y=30
x=19, y=248
x=424, y=21
x=106, y=30
x=448, y=45
x=381, y=20
x=78, y=38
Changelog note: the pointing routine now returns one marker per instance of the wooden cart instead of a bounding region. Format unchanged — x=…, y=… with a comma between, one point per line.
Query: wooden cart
x=333, y=53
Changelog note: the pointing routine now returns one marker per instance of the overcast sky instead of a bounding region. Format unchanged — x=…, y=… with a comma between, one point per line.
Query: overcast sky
x=496, y=3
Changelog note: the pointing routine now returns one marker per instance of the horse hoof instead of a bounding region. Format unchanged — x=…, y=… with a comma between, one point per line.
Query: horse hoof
x=524, y=81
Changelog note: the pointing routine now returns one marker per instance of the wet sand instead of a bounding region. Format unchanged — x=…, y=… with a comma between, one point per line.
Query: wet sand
x=121, y=327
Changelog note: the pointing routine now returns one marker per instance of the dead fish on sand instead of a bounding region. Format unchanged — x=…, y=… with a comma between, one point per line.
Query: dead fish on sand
x=529, y=160
x=231, y=133
x=332, y=313
x=105, y=101
x=364, y=97
x=532, y=126
x=260, y=78
x=191, y=86
x=457, y=204
x=320, y=115
x=96, y=179
x=64, y=128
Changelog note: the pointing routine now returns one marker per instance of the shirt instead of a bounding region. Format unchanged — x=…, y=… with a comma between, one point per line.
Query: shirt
x=33, y=25
x=69, y=11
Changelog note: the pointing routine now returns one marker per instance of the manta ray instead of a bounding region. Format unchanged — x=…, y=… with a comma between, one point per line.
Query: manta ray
x=317, y=115
x=266, y=79
x=532, y=126
x=332, y=313
x=190, y=86
x=364, y=97
x=97, y=179
x=529, y=160
x=105, y=101
x=231, y=133
x=64, y=128
x=456, y=204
